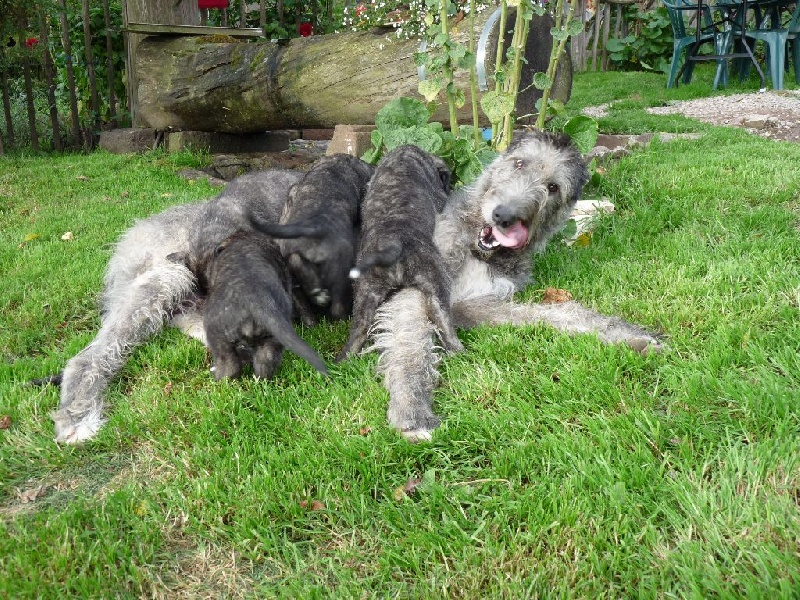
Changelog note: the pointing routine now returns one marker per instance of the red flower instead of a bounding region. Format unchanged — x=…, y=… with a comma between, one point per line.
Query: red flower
x=361, y=9
x=31, y=42
x=305, y=29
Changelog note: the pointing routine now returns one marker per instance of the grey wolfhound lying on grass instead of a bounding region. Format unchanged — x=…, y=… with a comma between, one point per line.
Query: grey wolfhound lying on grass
x=247, y=312
x=397, y=251
x=486, y=233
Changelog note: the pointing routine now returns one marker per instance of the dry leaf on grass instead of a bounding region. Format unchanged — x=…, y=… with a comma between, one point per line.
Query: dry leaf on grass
x=82, y=178
x=364, y=431
x=31, y=495
x=313, y=505
x=68, y=236
x=5, y=422
x=556, y=296
x=407, y=489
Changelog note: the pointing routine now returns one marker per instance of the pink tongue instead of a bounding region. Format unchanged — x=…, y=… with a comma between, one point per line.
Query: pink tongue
x=514, y=237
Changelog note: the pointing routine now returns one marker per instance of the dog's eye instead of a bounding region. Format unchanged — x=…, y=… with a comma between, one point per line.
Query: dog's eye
x=519, y=163
x=552, y=188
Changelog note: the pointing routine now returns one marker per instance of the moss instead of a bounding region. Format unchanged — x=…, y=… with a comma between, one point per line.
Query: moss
x=216, y=38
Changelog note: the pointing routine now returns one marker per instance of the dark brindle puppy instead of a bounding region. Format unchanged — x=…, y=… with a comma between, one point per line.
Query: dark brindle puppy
x=248, y=310
x=398, y=217
x=319, y=227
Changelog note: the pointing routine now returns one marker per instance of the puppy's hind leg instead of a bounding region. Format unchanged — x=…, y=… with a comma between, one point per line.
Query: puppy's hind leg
x=404, y=338
x=437, y=297
x=364, y=310
x=135, y=312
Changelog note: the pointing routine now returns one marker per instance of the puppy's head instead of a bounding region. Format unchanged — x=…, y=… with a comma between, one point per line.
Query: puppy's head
x=527, y=194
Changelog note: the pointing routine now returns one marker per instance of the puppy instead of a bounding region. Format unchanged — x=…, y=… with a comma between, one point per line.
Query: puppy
x=397, y=251
x=318, y=228
x=247, y=313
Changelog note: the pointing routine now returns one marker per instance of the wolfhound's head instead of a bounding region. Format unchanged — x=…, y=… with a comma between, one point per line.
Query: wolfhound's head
x=526, y=195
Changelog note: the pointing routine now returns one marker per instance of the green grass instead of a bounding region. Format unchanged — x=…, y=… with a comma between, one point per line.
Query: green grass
x=563, y=467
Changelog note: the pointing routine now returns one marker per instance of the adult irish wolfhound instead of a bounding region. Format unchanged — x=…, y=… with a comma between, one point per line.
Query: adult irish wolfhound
x=487, y=234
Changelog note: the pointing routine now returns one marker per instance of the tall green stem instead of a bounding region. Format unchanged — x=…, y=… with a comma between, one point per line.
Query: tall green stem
x=448, y=73
x=555, y=55
x=473, y=78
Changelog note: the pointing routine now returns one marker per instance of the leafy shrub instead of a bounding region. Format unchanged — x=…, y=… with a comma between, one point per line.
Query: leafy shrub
x=651, y=49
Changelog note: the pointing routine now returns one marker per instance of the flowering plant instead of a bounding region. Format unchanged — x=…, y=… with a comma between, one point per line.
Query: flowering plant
x=408, y=18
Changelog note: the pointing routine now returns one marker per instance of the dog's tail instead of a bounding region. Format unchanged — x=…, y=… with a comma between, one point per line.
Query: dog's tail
x=289, y=230
x=50, y=379
x=287, y=336
x=386, y=256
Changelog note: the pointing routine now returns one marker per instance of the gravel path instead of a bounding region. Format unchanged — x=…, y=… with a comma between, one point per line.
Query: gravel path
x=771, y=114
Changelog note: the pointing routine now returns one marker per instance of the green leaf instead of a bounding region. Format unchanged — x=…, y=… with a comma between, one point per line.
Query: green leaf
x=584, y=131
x=575, y=27
x=402, y=112
x=496, y=105
x=542, y=82
x=425, y=138
x=429, y=89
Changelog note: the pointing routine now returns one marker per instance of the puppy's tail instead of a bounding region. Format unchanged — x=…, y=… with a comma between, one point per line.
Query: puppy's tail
x=386, y=256
x=289, y=230
x=287, y=336
x=50, y=379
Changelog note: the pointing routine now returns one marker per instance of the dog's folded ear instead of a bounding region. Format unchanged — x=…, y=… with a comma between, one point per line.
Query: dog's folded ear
x=445, y=175
x=181, y=258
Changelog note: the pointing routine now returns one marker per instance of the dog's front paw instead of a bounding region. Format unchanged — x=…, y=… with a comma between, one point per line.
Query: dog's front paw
x=70, y=431
x=415, y=422
x=417, y=435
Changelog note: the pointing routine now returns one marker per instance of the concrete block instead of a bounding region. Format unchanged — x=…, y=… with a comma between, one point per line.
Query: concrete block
x=128, y=140
x=351, y=139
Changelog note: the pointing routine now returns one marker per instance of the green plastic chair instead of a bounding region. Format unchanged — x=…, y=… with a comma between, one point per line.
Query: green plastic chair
x=683, y=41
x=776, y=39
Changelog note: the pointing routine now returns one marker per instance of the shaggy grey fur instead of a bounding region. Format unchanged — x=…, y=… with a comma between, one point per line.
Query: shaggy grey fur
x=398, y=217
x=487, y=234
x=319, y=226
x=143, y=289
x=247, y=313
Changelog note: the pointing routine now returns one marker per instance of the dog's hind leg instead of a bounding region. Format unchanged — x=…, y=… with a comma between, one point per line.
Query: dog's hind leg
x=136, y=312
x=404, y=338
x=570, y=317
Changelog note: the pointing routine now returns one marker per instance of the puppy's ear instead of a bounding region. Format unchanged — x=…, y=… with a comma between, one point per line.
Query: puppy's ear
x=181, y=258
x=444, y=174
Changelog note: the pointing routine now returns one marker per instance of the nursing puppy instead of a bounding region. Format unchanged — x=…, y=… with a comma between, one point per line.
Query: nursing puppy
x=247, y=313
x=319, y=228
x=398, y=217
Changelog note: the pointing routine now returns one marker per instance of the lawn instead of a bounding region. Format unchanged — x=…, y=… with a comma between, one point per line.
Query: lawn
x=563, y=467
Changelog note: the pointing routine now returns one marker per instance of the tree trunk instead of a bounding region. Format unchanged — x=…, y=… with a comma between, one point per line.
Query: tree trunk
x=191, y=83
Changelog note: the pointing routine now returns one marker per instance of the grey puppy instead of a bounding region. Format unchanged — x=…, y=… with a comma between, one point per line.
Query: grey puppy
x=247, y=313
x=319, y=229
x=487, y=234
x=396, y=251
x=144, y=290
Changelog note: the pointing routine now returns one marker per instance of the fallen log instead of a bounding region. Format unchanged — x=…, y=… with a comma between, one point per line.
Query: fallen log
x=213, y=84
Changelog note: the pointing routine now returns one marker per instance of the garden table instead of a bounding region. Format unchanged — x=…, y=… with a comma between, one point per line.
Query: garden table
x=731, y=20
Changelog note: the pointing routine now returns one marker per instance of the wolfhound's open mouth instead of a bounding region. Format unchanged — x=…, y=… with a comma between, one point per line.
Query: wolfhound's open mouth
x=492, y=238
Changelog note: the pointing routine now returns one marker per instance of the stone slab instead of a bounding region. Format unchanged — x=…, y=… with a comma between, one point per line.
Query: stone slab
x=351, y=139
x=223, y=143
x=128, y=140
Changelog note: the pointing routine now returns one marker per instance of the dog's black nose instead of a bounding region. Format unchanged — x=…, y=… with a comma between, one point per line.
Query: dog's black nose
x=504, y=216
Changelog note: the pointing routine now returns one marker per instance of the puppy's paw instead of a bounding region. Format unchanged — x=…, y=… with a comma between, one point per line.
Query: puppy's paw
x=646, y=345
